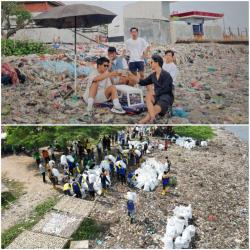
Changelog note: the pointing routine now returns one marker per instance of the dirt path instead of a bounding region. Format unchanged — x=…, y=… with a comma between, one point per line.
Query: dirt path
x=24, y=169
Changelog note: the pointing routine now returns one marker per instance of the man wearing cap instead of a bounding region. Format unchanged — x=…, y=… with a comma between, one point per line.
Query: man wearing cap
x=117, y=62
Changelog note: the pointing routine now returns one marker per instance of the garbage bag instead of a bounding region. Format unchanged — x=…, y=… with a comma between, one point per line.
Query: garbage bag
x=168, y=242
x=131, y=196
x=182, y=211
x=191, y=230
x=179, y=225
x=171, y=229
x=70, y=158
x=203, y=143
x=178, y=243
x=63, y=160
x=52, y=163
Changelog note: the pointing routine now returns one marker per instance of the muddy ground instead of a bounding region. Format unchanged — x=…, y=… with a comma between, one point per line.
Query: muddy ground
x=212, y=88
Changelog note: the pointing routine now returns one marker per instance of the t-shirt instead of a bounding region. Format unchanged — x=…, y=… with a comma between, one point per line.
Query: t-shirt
x=162, y=86
x=136, y=49
x=41, y=168
x=171, y=69
x=102, y=85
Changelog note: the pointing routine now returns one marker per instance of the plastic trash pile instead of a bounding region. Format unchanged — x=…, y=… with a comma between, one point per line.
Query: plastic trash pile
x=150, y=174
x=178, y=233
x=188, y=142
x=59, y=67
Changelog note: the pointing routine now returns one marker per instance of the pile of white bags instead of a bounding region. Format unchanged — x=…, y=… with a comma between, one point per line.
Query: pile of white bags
x=185, y=142
x=188, y=142
x=178, y=233
x=150, y=174
x=94, y=177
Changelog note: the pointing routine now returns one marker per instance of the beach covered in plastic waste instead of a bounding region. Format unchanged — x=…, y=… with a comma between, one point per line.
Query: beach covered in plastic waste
x=196, y=213
x=212, y=86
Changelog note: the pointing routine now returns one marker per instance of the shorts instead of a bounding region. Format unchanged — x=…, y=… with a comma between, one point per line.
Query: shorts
x=136, y=66
x=164, y=101
x=99, y=98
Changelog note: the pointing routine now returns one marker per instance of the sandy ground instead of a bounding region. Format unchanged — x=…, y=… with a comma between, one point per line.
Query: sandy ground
x=24, y=169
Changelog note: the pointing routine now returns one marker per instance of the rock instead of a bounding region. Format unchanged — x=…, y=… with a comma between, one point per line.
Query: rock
x=82, y=244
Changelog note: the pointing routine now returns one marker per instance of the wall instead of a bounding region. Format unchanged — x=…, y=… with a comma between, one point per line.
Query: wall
x=152, y=9
x=183, y=31
x=156, y=31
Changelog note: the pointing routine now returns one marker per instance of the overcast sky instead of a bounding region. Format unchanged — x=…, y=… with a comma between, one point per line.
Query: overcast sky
x=235, y=12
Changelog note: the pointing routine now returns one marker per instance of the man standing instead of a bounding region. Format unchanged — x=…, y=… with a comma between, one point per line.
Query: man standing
x=42, y=171
x=137, y=48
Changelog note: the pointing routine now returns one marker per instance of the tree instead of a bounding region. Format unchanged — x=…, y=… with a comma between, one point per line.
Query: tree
x=32, y=137
x=9, y=10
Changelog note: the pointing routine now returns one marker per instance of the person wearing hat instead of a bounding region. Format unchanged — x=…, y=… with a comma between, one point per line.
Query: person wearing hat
x=116, y=62
x=162, y=96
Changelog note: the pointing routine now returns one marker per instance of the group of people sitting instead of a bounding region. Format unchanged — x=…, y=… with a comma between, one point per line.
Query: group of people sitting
x=114, y=69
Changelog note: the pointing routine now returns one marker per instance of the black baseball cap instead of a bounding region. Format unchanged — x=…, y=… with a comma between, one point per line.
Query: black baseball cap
x=112, y=49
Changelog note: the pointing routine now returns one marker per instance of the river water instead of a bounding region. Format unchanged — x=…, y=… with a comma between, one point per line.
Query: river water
x=240, y=131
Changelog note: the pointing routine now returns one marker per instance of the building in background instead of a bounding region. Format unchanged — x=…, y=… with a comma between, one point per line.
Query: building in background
x=157, y=25
x=47, y=35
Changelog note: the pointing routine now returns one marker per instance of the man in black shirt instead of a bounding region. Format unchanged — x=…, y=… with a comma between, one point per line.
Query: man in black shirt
x=162, y=97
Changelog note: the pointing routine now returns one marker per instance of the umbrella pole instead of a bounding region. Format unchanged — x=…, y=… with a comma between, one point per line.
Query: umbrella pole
x=75, y=55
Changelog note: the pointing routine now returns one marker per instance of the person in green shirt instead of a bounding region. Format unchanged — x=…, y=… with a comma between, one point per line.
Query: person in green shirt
x=36, y=156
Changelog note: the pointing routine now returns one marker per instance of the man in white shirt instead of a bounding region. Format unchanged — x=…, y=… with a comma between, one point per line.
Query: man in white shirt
x=100, y=89
x=169, y=65
x=137, y=48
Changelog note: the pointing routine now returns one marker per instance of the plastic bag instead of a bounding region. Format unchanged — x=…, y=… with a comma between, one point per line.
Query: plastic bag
x=70, y=158
x=203, y=143
x=63, y=160
x=168, y=242
x=131, y=196
x=52, y=163
x=191, y=230
x=179, y=225
x=171, y=229
x=185, y=212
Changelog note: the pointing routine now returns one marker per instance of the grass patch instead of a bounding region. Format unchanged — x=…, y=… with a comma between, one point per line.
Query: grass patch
x=89, y=230
x=196, y=132
x=16, y=189
x=10, y=234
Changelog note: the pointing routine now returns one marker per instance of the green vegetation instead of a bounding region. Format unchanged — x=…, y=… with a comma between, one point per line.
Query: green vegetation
x=31, y=137
x=19, y=48
x=89, y=230
x=22, y=18
x=10, y=234
x=196, y=132
x=16, y=189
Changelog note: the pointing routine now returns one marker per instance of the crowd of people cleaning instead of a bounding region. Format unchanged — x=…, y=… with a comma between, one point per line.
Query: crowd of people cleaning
x=73, y=169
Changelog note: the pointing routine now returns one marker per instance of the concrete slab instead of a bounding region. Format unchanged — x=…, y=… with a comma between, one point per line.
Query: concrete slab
x=81, y=244
x=32, y=240
x=75, y=206
x=59, y=224
x=4, y=189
